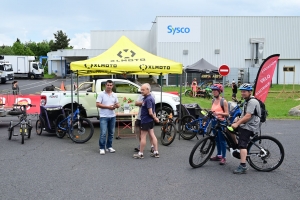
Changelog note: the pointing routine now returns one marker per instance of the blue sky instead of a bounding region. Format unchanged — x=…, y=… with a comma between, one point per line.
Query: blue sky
x=37, y=20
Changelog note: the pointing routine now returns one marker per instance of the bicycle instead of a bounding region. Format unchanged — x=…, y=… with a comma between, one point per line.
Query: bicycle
x=190, y=126
x=168, y=131
x=66, y=125
x=261, y=149
x=25, y=124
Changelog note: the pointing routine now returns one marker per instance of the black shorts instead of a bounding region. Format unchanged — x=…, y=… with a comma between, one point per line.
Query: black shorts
x=244, y=137
x=147, y=126
x=233, y=95
x=137, y=123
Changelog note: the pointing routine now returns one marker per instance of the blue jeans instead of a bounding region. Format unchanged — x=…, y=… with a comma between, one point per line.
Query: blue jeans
x=220, y=140
x=107, y=125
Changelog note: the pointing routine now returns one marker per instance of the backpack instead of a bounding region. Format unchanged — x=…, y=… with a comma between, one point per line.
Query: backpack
x=264, y=112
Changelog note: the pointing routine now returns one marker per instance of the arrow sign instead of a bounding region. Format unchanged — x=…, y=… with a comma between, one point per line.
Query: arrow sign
x=224, y=70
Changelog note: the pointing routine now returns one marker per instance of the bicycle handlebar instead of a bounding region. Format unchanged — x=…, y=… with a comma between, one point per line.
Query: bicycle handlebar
x=30, y=105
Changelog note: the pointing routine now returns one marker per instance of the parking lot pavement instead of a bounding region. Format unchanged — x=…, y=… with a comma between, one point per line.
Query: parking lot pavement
x=46, y=167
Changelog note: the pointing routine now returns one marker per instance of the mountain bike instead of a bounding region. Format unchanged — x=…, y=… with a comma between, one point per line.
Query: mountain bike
x=78, y=129
x=25, y=124
x=265, y=153
x=168, y=131
x=190, y=126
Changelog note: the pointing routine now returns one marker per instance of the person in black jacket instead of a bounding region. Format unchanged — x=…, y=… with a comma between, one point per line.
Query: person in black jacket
x=234, y=90
x=15, y=88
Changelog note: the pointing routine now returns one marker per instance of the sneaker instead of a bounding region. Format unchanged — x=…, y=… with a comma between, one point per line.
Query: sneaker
x=223, y=161
x=216, y=158
x=240, y=170
x=156, y=155
x=136, y=149
x=138, y=156
x=152, y=149
x=102, y=152
x=111, y=150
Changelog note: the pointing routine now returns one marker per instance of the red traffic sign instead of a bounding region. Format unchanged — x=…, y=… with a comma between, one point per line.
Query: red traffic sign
x=224, y=70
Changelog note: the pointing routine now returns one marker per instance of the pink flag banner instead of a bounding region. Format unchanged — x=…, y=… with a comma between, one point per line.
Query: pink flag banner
x=264, y=77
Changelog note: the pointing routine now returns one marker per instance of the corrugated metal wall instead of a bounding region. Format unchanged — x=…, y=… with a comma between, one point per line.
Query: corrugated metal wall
x=231, y=35
x=105, y=39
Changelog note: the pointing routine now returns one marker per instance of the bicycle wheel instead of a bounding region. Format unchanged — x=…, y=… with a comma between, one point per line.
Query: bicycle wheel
x=29, y=128
x=265, y=153
x=189, y=127
x=38, y=127
x=10, y=130
x=188, y=93
x=22, y=134
x=82, y=131
x=202, y=151
x=168, y=134
x=63, y=124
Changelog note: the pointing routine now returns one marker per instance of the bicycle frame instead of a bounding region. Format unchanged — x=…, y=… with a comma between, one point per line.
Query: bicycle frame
x=203, y=127
x=70, y=120
x=23, y=118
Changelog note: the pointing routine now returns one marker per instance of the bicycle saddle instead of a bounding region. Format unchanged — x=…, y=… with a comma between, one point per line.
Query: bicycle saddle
x=15, y=112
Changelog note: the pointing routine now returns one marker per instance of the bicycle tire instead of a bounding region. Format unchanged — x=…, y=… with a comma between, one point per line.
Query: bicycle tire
x=10, y=130
x=188, y=93
x=168, y=134
x=189, y=127
x=262, y=163
x=82, y=135
x=22, y=135
x=29, y=128
x=59, y=132
x=204, y=147
x=38, y=127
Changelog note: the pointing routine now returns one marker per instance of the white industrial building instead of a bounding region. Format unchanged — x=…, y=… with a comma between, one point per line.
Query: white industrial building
x=240, y=42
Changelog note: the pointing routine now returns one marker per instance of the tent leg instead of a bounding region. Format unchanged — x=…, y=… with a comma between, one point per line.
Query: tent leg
x=179, y=111
x=161, y=94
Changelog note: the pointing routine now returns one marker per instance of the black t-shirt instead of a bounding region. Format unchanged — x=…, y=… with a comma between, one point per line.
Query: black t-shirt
x=234, y=89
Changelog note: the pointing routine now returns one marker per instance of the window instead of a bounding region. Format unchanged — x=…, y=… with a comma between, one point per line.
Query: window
x=35, y=66
x=86, y=87
x=121, y=87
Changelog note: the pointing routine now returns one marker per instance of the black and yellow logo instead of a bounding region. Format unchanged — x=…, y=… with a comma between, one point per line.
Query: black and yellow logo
x=126, y=54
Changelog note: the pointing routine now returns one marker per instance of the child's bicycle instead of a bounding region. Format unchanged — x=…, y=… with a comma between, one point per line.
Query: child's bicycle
x=78, y=129
x=25, y=124
x=265, y=153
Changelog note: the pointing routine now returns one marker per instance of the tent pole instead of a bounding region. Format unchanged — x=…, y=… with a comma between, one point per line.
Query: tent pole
x=161, y=95
x=77, y=89
x=71, y=101
x=179, y=111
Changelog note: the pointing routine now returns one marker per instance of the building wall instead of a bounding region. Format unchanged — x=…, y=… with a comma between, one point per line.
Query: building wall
x=231, y=35
x=105, y=39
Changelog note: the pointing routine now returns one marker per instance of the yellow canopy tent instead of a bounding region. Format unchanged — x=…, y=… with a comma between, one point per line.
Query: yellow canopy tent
x=124, y=57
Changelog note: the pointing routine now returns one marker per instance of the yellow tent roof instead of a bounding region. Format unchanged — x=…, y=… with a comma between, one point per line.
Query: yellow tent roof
x=124, y=57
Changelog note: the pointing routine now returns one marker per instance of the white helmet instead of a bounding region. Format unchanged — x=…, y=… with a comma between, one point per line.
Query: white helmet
x=233, y=81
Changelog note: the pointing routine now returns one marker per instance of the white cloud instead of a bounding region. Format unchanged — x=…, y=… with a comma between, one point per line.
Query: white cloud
x=81, y=40
x=6, y=40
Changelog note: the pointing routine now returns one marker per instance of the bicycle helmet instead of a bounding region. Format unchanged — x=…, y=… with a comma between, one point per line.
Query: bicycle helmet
x=218, y=87
x=246, y=86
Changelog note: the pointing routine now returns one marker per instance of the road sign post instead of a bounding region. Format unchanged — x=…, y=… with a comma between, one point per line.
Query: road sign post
x=224, y=71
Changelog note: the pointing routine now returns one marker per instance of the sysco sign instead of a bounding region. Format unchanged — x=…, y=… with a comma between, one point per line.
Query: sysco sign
x=174, y=30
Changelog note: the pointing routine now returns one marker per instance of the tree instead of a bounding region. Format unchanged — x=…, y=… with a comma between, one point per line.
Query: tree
x=61, y=41
x=39, y=49
x=20, y=49
x=6, y=50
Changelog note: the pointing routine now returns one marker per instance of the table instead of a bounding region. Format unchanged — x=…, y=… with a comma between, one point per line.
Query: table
x=126, y=124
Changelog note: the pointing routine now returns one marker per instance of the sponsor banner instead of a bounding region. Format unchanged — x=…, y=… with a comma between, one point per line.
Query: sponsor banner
x=264, y=77
x=178, y=29
x=10, y=100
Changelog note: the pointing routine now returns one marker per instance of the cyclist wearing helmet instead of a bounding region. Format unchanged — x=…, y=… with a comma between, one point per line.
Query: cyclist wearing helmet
x=221, y=113
x=247, y=124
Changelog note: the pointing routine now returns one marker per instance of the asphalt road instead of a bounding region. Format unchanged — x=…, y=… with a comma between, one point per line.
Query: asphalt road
x=46, y=167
